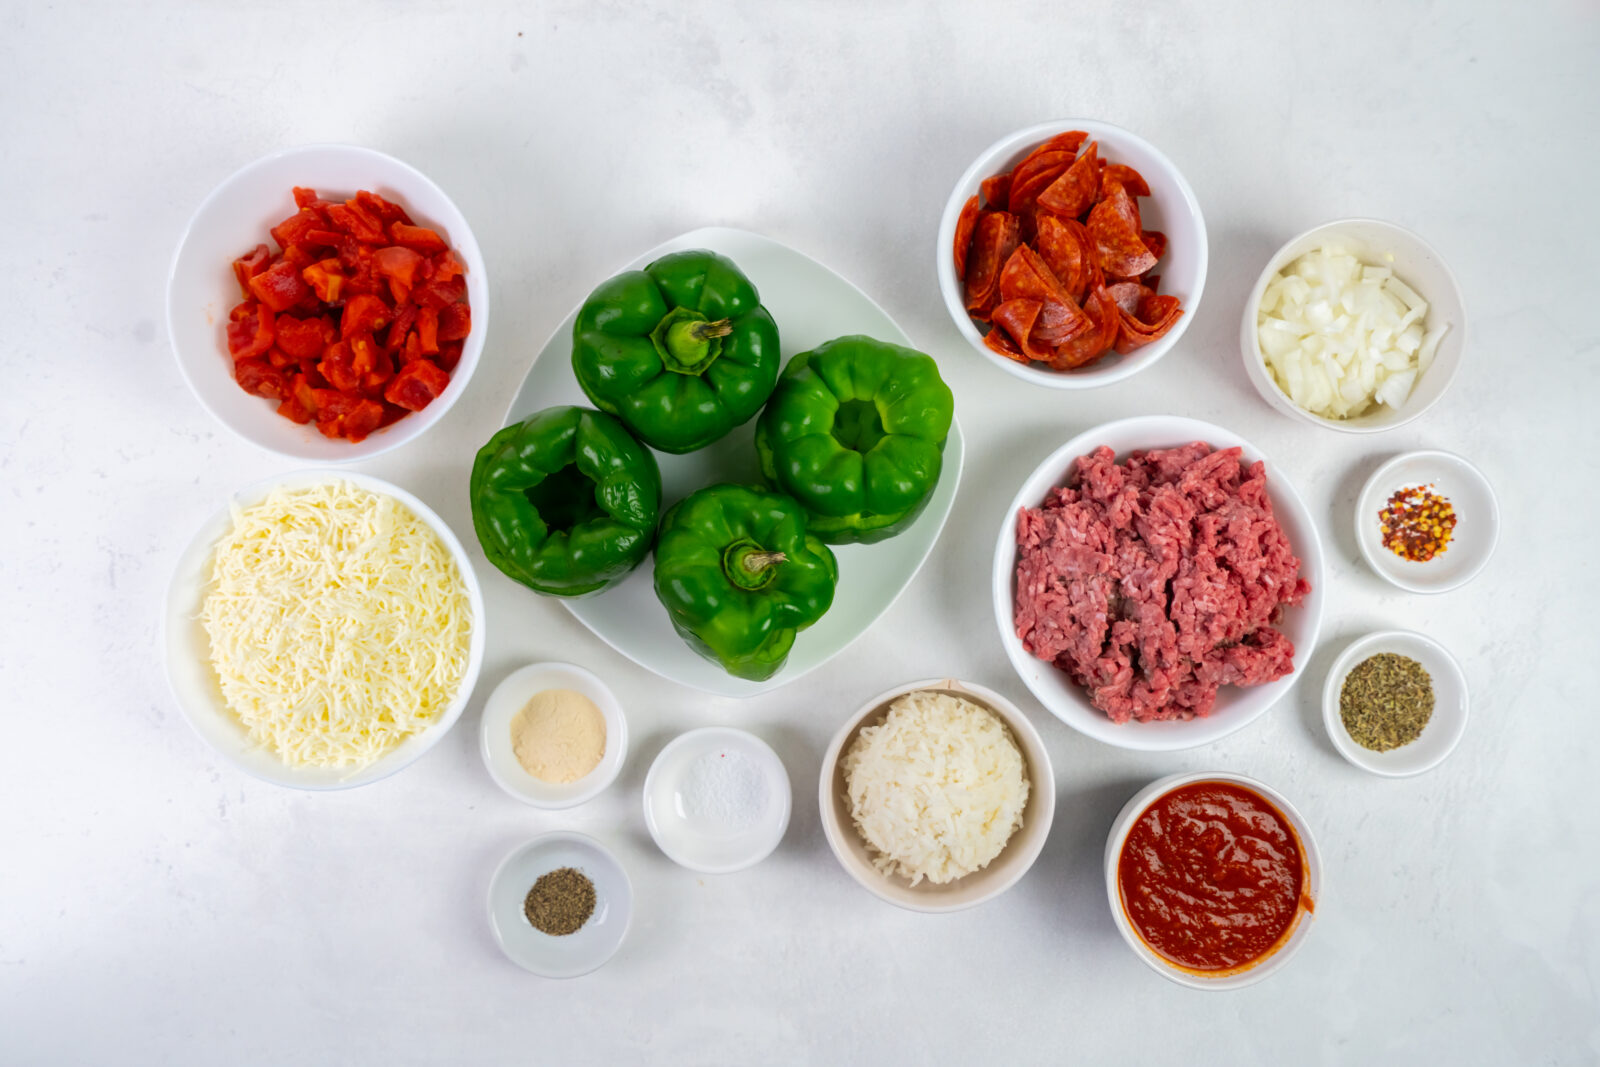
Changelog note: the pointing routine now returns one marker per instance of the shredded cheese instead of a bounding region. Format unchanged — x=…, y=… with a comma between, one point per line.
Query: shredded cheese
x=339, y=624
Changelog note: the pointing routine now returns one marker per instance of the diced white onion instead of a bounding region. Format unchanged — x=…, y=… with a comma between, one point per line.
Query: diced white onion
x=1338, y=335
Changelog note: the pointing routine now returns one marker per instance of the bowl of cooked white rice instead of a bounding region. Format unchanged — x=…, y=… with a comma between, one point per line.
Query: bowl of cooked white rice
x=937, y=795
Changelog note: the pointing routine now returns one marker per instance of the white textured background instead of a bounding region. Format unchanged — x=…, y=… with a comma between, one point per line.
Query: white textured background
x=156, y=906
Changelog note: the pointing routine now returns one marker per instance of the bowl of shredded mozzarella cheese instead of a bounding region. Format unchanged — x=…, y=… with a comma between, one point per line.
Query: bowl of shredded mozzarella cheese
x=1356, y=325
x=323, y=630
x=937, y=795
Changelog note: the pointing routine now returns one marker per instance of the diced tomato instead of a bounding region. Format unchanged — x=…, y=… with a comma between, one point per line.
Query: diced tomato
x=293, y=230
x=303, y=390
x=417, y=238
x=301, y=338
x=455, y=322
x=411, y=351
x=367, y=416
x=279, y=287
x=247, y=267
x=439, y=294
x=325, y=280
x=397, y=262
x=356, y=221
x=356, y=322
x=256, y=375
x=293, y=410
x=363, y=314
x=416, y=385
x=341, y=243
x=250, y=330
x=428, y=331
x=298, y=257
x=386, y=211
x=404, y=319
x=338, y=368
x=448, y=265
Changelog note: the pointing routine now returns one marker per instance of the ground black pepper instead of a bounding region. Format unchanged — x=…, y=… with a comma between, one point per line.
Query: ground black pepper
x=1385, y=701
x=560, y=902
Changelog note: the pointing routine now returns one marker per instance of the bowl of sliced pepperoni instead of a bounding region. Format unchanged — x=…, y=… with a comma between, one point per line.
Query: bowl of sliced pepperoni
x=1072, y=254
x=327, y=303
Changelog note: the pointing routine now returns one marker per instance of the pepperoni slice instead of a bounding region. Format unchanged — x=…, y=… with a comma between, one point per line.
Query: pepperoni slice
x=1090, y=345
x=1070, y=141
x=964, y=224
x=995, y=190
x=1131, y=179
x=1126, y=295
x=1155, y=241
x=1114, y=226
x=995, y=238
x=1017, y=318
x=998, y=340
x=1154, y=316
x=1026, y=276
x=1032, y=177
x=1074, y=192
x=1066, y=249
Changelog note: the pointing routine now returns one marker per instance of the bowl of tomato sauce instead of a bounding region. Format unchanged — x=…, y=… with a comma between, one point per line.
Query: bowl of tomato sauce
x=1213, y=879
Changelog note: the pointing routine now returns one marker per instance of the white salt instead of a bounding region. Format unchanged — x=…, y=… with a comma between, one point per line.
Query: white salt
x=723, y=791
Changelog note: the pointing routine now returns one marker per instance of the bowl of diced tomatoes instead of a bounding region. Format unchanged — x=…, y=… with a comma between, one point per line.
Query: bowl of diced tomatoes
x=328, y=303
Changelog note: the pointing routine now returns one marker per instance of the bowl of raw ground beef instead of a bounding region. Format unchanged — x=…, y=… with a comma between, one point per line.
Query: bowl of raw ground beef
x=1158, y=583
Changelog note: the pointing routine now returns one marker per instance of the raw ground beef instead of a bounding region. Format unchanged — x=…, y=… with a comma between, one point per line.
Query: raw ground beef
x=1156, y=581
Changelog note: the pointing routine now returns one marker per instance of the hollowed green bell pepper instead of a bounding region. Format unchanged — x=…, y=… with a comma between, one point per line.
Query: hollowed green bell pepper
x=565, y=502
x=681, y=351
x=855, y=431
x=740, y=576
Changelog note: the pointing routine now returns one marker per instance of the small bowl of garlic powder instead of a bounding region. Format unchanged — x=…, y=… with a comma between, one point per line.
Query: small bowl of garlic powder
x=553, y=735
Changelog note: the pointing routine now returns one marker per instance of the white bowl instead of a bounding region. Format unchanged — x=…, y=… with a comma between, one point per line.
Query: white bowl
x=188, y=657
x=583, y=950
x=1312, y=871
x=1171, y=208
x=1235, y=706
x=494, y=735
x=1415, y=263
x=692, y=843
x=1003, y=872
x=233, y=219
x=1445, y=728
x=1472, y=542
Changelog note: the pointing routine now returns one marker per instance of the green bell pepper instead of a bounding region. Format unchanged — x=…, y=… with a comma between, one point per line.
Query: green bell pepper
x=681, y=351
x=855, y=431
x=740, y=576
x=565, y=501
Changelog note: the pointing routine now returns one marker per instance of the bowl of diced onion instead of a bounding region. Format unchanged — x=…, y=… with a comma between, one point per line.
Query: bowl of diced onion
x=1356, y=325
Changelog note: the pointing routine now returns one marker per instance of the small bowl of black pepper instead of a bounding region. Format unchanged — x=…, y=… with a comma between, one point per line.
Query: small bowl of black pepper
x=1395, y=703
x=560, y=905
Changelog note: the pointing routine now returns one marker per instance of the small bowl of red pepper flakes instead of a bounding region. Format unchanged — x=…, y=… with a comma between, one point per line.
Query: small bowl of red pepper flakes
x=328, y=303
x=1427, y=521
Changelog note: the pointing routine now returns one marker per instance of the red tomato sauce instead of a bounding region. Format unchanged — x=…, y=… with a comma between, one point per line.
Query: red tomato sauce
x=1212, y=877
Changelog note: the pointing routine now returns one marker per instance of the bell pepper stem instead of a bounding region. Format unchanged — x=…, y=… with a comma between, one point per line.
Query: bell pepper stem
x=749, y=566
x=756, y=562
x=687, y=342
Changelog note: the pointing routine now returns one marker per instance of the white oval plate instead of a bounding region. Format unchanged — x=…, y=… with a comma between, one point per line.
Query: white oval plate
x=811, y=305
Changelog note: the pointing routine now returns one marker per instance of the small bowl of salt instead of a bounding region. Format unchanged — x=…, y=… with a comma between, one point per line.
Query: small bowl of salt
x=717, y=800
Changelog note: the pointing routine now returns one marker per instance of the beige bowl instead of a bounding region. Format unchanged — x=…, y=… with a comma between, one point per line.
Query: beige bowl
x=1003, y=871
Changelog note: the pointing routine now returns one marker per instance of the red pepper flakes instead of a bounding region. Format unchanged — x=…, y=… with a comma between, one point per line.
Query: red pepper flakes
x=1417, y=523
